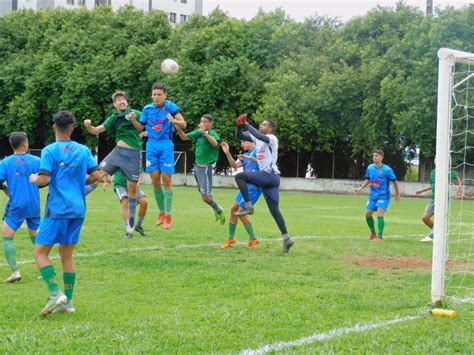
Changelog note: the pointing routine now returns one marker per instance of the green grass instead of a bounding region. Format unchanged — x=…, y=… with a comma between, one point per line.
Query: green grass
x=186, y=295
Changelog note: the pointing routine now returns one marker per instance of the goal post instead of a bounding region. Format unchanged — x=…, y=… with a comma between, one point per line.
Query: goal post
x=448, y=58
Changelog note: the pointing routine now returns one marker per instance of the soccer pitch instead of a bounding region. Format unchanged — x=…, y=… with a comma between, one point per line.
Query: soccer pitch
x=178, y=292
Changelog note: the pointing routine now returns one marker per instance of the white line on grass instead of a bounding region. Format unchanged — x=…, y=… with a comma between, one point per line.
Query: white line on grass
x=358, y=328
x=207, y=245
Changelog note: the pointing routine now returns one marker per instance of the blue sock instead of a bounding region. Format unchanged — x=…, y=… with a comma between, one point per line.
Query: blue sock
x=140, y=220
x=132, y=207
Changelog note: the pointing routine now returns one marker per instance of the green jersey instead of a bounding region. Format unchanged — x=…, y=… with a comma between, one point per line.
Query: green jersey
x=453, y=173
x=206, y=153
x=119, y=124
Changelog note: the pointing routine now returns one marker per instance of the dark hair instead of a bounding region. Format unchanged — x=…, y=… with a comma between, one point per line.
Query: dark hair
x=118, y=94
x=159, y=86
x=379, y=152
x=16, y=139
x=272, y=124
x=209, y=117
x=64, y=120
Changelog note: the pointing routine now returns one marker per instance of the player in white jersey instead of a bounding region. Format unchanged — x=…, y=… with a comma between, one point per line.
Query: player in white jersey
x=268, y=176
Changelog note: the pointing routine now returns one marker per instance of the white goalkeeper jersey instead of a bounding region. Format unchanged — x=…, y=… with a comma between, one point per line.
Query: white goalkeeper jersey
x=267, y=154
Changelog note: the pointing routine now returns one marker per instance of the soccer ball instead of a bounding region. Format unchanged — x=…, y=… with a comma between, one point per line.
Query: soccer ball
x=169, y=66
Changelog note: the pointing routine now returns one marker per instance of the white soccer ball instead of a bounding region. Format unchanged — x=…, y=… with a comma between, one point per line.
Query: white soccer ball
x=169, y=66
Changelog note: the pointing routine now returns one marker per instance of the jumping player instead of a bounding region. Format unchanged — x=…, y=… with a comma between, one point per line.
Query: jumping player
x=160, y=119
x=24, y=199
x=126, y=154
x=268, y=175
x=206, y=141
x=379, y=177
x=64, y=166
x=248, y=161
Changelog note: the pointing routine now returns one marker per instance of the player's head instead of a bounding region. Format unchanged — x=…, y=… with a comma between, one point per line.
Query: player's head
x=377, y=156
x=267, y=127
x=18, y=141
x=63, y=122
x=120, y=100
x=247, y=145
x=207, y=121
x=158, y=93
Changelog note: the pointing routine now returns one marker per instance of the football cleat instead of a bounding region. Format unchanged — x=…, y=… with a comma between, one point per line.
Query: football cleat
x=14, y=277
x=228, y=243
x=253, y=243
x=54, y=302
x=167, y=224
x=244, y=211
x=65, y=308
x=287, y=244
x=427, y=239
x=372, y=236
x=161, y=219
x=220, y=217
x=139, y=229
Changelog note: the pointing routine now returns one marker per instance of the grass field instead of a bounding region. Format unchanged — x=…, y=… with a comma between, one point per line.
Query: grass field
x=178, y=292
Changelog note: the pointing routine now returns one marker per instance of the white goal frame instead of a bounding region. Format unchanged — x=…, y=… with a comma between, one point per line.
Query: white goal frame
x=447, y=60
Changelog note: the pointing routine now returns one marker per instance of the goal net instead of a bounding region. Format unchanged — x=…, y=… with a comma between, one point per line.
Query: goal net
x=453, y=245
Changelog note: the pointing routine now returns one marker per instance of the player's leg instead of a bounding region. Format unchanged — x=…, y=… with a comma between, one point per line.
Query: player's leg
x=9, y=247
x=130, y=165
x=50, y=232
x=166, y=164
x=371, y=208
x=69, y=277
x=382, y=206
x=143, y=206
x=254, y=196
x=427, y=219
x=232, y=224
x=159, y=194
x=203, y=176
x=33, y=225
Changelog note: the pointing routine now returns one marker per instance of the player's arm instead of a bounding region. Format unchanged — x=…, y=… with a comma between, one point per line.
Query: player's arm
x=246, y=157
x=93, y=177
x=425, y=189
x=177, y=120
x=243, y=136
x=182, y=135
x=256, y=133
x=138, y=125
x=41, y=179
x=4, y=188
x=93, y=130
x=397, y=191
x=235, y=164
x=209, y=138
x=363, y=186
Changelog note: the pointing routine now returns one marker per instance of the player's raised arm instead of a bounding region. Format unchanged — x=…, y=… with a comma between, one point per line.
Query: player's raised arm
x=177, y=120
x=235, y=164
x=133, y=118
x=93, y=130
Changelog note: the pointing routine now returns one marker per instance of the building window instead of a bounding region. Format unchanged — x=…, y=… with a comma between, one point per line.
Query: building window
x=81, y=2
x=70, y=2
x=172, y=17
x=183, y=18
x=184, y=1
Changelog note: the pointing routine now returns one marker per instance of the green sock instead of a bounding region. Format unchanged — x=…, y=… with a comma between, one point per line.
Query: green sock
x=10, y=253
x=381, y=225
x=33, y=240
x=249, y=229
x=168, y=201
x=160, y=198
x=69, y=282
x=49, y=276
x=232, y=228
x=371, y=223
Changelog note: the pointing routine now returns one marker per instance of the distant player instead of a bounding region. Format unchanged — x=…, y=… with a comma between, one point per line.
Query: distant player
x=120, y=189
x=206, y=142
x=247, y=160
x=379, y=177
x=429, y=210
x=24, y=199
x=126, y=154
x=64, y=166
x=160, y=119
x=268, y=175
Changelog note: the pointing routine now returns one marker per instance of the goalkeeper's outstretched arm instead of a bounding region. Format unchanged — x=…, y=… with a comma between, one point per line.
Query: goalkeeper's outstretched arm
x=256, y=133
x=243, y=136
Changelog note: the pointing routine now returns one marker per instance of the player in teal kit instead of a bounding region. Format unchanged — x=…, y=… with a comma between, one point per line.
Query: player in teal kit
x=24, y=200
x=379, y=177
x=160, y=119
x=64, y=166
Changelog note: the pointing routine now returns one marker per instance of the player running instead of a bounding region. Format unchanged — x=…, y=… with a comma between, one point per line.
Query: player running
x=206, y=142
x=126, y=154
x=160, y=119
x=429, y=210
x=378, y=176
x=268, y=175
x=24, y=199
x=248, y=161
x=64, y=166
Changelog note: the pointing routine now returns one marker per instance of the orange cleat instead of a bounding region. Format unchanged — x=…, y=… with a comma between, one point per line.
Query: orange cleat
x=161, y=219
x=253, y=243
x=167, y=223
x=228, y=243
x=377, y=239
x=372, y=236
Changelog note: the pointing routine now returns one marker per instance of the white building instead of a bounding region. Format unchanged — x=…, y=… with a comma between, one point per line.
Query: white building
x=178, y=10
